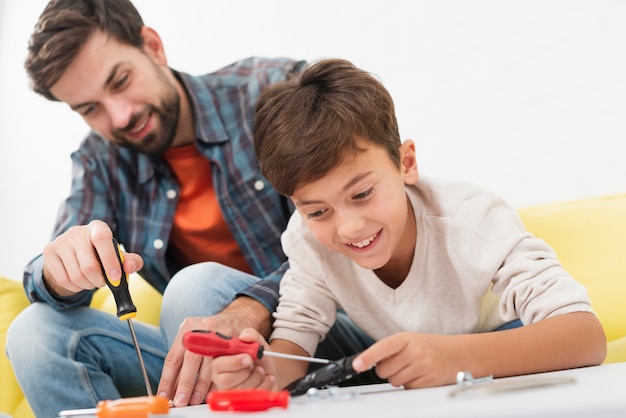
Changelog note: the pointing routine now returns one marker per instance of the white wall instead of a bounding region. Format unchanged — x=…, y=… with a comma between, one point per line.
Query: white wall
x=525, y=97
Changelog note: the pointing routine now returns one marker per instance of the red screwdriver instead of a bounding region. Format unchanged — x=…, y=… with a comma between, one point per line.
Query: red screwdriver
x=214, y=344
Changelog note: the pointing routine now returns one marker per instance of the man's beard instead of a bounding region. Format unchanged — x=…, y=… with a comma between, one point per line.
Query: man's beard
x=159, y=141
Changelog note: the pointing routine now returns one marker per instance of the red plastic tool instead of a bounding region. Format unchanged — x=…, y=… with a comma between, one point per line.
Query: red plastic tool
x=247, y=400
x=214, y=344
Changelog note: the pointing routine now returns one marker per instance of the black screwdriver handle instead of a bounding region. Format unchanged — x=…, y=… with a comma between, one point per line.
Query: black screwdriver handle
x=329, y=375
x=125, y=307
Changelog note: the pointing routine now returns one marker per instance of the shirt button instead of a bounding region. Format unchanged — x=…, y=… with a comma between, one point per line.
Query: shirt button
x=157, y=244
x=259, y=185
x=171, y=194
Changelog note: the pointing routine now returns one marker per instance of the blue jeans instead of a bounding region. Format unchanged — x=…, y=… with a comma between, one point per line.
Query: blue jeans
x=72, y=359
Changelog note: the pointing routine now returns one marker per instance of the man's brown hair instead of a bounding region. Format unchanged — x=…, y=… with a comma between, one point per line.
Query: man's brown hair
x=308, y=125
x=65, y=26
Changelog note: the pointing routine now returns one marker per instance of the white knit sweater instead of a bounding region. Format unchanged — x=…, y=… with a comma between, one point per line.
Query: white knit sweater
x=475, y=268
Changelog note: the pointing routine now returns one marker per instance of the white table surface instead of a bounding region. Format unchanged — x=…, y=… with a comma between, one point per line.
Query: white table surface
x=597, y=392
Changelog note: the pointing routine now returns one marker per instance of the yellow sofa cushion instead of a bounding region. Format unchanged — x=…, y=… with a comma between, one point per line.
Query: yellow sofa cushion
x=13, y=300
x=589, y=237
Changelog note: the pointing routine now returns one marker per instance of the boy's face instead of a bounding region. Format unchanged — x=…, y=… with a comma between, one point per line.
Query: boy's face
x=122, y=92
x=360, y=209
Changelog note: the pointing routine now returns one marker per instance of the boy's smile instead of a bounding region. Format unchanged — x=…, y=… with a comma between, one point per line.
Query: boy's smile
x=360, y=209
x=365, y=243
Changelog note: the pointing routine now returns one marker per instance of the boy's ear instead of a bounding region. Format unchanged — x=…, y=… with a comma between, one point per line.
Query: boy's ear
x=153, y=46
x=408, y=162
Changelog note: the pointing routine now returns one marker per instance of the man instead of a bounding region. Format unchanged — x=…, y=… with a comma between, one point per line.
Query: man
x=169, y=171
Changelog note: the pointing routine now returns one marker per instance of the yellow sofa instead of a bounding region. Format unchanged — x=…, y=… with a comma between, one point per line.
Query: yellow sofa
x=588, y=235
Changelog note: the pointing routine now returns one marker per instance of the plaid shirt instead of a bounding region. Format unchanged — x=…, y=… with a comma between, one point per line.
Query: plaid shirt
x=136, y=194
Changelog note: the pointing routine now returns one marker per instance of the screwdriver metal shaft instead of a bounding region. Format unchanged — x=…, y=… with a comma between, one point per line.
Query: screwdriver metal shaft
x=141, y=363
x=295, y=357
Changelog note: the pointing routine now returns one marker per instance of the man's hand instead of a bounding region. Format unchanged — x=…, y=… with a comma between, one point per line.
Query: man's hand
x=186, y=376
x=71, y=261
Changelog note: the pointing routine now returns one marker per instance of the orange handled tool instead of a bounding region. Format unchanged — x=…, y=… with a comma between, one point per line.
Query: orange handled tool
x=137, y=407
x=214, y=344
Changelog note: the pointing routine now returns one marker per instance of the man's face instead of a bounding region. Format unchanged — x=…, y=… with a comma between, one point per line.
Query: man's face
x=122, y=93
x=360, y=209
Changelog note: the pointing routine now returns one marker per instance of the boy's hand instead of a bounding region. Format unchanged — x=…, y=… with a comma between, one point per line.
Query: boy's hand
x=412, y=360
x=240, y=371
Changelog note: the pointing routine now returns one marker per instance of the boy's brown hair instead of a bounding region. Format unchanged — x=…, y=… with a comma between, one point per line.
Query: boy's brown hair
x=308, y=125
x=65, y=26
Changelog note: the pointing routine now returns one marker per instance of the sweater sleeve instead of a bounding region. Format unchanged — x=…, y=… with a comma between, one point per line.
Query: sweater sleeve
x=307, y=308
x=521, y=269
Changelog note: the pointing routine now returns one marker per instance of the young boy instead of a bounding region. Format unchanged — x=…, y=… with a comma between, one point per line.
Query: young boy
x=428, y=268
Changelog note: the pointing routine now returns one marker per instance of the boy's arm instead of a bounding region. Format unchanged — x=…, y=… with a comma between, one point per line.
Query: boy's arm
x=288, y=370
x=561, y=342
x=420, y=360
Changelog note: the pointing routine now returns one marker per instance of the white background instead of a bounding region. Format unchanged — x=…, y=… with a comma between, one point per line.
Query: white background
x=527, y=98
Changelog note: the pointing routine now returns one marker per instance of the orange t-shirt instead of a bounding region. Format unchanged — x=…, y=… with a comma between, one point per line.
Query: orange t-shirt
x=199, y=232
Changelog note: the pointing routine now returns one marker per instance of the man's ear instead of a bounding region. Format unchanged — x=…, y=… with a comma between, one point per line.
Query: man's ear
x=153, y=46
x=408, y=162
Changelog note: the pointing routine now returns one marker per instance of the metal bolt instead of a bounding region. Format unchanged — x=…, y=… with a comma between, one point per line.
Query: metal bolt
x=466, y=379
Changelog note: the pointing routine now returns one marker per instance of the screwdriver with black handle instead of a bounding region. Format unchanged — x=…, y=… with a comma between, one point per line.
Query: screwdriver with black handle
x=125, y=307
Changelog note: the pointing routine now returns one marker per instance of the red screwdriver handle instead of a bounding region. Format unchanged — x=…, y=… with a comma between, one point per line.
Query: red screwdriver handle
x=214, y=344
x=247, y=400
